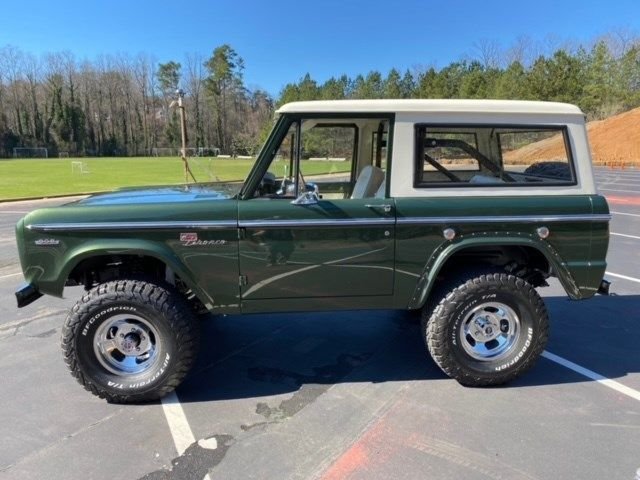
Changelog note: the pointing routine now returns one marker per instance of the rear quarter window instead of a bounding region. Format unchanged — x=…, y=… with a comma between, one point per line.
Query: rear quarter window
x=486, y=155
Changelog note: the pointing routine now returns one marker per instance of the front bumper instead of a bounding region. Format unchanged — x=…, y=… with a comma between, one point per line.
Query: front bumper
x=603, y=289
x=26, y=294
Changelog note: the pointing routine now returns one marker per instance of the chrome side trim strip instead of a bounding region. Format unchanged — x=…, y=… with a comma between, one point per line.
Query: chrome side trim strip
x=505, y=219
x=335, y=222
x=338, y=222
x=91, y=226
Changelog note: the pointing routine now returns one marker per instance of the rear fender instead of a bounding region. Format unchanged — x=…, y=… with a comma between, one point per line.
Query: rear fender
x=448, y=249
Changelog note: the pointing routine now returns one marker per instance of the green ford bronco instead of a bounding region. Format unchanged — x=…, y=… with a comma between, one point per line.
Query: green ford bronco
x=457, y=209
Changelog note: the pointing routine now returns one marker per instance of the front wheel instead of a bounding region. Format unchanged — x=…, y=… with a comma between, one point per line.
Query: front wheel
x=487, y=330
x=130, y=340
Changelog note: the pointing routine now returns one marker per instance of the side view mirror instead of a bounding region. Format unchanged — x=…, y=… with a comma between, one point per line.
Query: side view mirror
x=306, y=198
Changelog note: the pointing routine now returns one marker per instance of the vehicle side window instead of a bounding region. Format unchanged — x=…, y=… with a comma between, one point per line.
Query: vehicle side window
x=444, y=151
x=330, y=158
x=488, y=155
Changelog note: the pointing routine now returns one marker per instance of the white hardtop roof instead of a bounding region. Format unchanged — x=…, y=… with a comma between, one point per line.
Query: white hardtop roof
x=428, y=106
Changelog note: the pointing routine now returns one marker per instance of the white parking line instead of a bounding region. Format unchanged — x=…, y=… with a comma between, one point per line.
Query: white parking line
x=617, y=174
x=608, y=178
x=624, y=235
x=178, y=424
x=180, y=430
x=630, y=392
x=615, y=183
x=613, y=175
x=618, y=190
x=10, y=275
x=624, y=277
x=604, y=179
x=624, y=213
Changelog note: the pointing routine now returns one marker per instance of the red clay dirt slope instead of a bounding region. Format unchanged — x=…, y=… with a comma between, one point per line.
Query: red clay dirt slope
x=614, y=141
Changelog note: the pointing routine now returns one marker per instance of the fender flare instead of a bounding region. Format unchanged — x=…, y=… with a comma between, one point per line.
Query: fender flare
x=72, y=258
x=447, y=249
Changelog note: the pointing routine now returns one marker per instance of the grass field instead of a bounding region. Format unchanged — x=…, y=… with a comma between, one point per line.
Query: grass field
x=26, y=178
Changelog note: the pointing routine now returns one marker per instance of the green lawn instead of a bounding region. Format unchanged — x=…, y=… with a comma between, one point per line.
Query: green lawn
x=25, y=178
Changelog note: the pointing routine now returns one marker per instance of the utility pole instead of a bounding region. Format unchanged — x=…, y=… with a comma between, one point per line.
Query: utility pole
x=183, y=131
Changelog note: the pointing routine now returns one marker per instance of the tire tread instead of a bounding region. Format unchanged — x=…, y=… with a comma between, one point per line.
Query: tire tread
x=164, y=299
x=435, y=324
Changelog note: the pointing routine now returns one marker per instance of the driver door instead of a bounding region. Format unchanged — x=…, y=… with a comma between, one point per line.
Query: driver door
x=328, y=245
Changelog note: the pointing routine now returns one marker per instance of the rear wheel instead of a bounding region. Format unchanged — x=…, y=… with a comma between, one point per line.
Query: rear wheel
x=130, y=340
x=487, y=329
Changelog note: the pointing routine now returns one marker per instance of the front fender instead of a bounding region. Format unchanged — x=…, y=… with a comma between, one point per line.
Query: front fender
x=447, y=249
x=51, y=279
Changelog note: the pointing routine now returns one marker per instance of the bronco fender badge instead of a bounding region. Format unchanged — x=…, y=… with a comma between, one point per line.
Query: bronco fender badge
x=188, y=237
x=191, y=240
x=47, y=242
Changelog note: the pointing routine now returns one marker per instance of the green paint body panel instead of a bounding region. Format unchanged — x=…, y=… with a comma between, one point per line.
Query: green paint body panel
x=204, y=268
x=315, y=261
x=296, y=267
x=422, y=250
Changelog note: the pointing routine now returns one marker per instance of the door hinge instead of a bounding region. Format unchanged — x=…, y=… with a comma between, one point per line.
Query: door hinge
x=242, y=280
x=242, y=233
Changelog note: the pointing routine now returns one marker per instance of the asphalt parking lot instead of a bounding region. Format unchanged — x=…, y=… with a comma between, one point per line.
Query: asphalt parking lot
x=337, y=395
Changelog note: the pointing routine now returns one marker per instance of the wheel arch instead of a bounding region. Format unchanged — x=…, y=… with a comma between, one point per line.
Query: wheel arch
x=161, y=260
x=472, y=252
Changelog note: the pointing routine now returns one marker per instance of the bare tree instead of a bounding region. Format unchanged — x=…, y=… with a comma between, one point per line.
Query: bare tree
x=488, y=52
x=13, y=62
x=523, y=50
x=620, y=40
x=194, y=87
x=141, y=74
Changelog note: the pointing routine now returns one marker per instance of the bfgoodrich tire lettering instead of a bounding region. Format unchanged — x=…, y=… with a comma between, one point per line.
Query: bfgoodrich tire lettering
x=474, y=307
x=150, y=323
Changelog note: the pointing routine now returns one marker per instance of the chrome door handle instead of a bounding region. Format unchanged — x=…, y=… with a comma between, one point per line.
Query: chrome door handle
x=385, y=207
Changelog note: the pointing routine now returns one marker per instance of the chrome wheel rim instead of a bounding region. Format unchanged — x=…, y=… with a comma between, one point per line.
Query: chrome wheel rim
x=126, y=344
x=490, y=331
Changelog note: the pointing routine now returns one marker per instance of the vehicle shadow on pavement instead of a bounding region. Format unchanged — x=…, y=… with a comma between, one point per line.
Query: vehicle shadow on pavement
x=601, y=334
x=269, y=354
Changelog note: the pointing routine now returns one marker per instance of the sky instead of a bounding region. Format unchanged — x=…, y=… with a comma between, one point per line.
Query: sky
x=281, y=41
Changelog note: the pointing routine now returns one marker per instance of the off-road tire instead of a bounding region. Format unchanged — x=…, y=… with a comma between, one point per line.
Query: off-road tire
x=441, y=328
x=558, y=170
x=158, y=304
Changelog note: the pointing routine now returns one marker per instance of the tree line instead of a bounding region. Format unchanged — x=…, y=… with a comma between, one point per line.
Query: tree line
x=603, y=79
x=122, y=105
